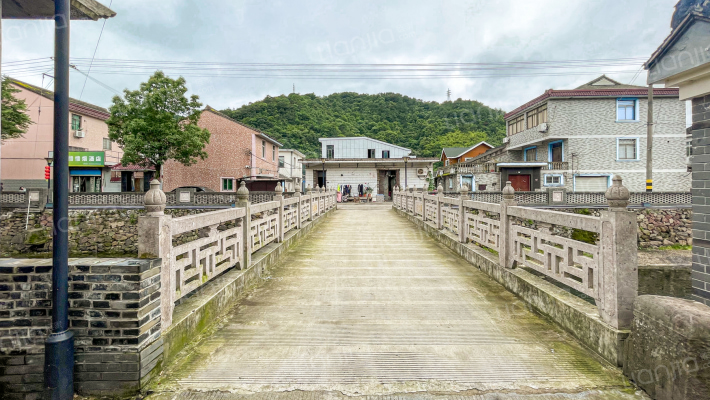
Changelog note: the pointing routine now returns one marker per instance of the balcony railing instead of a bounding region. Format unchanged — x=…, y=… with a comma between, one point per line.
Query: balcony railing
x=558, y=165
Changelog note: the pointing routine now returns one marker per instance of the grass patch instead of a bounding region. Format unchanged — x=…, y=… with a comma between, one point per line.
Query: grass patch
x=676, y=247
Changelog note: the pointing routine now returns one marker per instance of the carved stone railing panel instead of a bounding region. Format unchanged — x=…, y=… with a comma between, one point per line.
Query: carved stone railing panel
x=575, y=264
x=482, y=230
x=264, y=230
x=450, y=218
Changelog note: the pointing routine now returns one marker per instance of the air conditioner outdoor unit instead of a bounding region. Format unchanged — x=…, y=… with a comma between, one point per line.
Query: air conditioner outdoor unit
x=542, y=127
x=79, y=133
x=420, y=171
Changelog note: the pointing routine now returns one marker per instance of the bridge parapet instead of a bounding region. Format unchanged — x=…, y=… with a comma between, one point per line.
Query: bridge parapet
x=599, y=260
x=224, y=239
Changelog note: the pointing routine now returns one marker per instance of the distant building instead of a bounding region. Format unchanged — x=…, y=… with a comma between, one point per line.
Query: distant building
x=291, y=169
x=91, y=152
x=580, y=138
x=446, y=175
x=235, y=153
x=374, y=164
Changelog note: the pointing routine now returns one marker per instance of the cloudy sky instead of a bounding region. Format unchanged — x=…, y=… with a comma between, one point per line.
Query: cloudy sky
x=229, y=33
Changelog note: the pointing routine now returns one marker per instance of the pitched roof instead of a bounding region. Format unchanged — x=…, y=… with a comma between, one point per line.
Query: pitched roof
x=456, y=152
x=260, y=133
x=453, y=152
x=597, y=88
x=75, y=105
x=363, y=137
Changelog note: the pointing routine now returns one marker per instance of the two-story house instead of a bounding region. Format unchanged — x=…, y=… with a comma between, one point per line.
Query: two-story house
x=291, y=169
x=450, y=156
x=91, y=152
x=580, y=138
x=235, y=153
x=361, y=163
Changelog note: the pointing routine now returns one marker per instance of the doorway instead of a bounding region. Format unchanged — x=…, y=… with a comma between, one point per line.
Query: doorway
x=521, y=183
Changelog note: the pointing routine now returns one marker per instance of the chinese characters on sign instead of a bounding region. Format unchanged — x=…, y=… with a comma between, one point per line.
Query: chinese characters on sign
x=86, y=159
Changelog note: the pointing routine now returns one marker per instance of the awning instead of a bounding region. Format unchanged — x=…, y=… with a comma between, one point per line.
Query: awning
x=522, y=164
x=85, y=172
x=131, y=167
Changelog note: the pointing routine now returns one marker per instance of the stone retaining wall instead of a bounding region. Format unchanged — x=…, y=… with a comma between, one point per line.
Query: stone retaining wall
x=100, y=232
x=114, y=313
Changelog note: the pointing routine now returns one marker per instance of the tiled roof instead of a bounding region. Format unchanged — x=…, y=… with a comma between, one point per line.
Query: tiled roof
x=131, y=167
x=77, y=106
x=262, y=134
x=453, y=152
x=592, y=93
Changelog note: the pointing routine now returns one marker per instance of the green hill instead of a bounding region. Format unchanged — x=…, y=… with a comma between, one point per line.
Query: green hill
x=298, y=121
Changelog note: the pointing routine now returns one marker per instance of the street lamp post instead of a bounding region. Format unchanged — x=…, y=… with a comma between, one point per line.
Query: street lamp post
x=406, y=159
x=50, y=160
x=59, y=347
x=322, y=160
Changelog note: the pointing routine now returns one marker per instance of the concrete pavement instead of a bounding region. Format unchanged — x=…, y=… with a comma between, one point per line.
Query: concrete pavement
x=368, y=305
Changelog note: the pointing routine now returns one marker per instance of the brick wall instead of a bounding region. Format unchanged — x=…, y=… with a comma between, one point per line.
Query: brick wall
x=229, y=152
x=114, y=314
x=701, y=199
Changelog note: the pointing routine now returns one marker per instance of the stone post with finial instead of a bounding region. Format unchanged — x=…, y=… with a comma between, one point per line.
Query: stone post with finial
x=439, y=197
x=299, y=210
x=505, y=242
x=619, y=263
x=243, y=202
x=463, y=220
x=278, y=196
x=311, y=195
x=155, y=241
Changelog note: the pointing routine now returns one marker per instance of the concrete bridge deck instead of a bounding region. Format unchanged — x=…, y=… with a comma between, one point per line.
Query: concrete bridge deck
x=369, y=305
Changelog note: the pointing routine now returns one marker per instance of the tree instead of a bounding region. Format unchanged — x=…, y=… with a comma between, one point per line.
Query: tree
x=15, y=120
x=157, y=123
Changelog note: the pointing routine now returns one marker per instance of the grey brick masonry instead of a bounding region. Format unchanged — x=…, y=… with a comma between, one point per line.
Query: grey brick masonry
x=114, y=314
x=701, y=199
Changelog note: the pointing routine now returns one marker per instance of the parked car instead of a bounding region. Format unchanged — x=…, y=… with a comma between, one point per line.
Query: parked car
x=197, y=188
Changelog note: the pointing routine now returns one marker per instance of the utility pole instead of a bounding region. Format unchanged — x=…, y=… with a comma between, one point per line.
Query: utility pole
x=649, y=142
x=294, y=88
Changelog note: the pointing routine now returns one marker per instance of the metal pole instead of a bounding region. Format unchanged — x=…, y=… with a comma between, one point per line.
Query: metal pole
x=405, y=174
x=59, y=347
x=649, y=142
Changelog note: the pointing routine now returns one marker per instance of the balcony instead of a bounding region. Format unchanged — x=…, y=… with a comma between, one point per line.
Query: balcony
x=558, y=165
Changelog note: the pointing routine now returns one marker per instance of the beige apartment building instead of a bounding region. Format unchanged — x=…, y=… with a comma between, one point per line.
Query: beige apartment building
x=91, y=153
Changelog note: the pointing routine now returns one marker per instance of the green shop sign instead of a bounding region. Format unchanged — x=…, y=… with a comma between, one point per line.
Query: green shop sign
x=86, y=159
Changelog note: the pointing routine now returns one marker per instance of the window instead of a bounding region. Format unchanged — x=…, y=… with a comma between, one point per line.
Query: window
x=537, y=116
x=627, y=149
x=451, y=183
x=553, y=180
x=370, y=153
x=530, y=154
x=273, y=153
x=385, y=154
x=263, y=149
x=227, y=184
x=446, y=163
x=516, y=125
x=330, y=151
x=76, y=122
x=281, y=161
x=556, y=153
x=107, y=144
x=626, y=110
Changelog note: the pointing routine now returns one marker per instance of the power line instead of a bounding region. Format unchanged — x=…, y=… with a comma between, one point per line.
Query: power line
x=94, y=56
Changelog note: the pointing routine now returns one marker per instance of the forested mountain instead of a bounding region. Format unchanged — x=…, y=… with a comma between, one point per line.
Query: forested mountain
x=298, y=121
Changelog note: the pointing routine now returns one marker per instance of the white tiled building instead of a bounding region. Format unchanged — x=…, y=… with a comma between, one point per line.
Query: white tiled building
x=580, y=138
x=372, y=163
x=291, y=169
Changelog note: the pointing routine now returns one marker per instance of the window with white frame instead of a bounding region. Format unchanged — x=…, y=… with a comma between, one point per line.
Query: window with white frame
x=626, y=110
x=263, y=149
x=553, y=180
x=227, y=184
x=627, y=149
x=273, y=153
x=107, y=144
x=446, y=163
x=282, y=161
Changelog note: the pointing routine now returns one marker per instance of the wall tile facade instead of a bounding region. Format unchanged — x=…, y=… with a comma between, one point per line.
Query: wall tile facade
x=701, y=199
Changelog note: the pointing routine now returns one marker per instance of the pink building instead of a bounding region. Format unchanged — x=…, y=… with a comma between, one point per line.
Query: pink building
x=235, y=152
x=91, y=153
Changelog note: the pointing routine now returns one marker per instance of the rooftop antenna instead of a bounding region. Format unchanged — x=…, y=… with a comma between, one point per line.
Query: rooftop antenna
x=448, y=94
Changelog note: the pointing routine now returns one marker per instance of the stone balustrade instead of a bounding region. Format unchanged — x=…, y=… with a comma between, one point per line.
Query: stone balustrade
x=604, y=269
x=226, y=238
